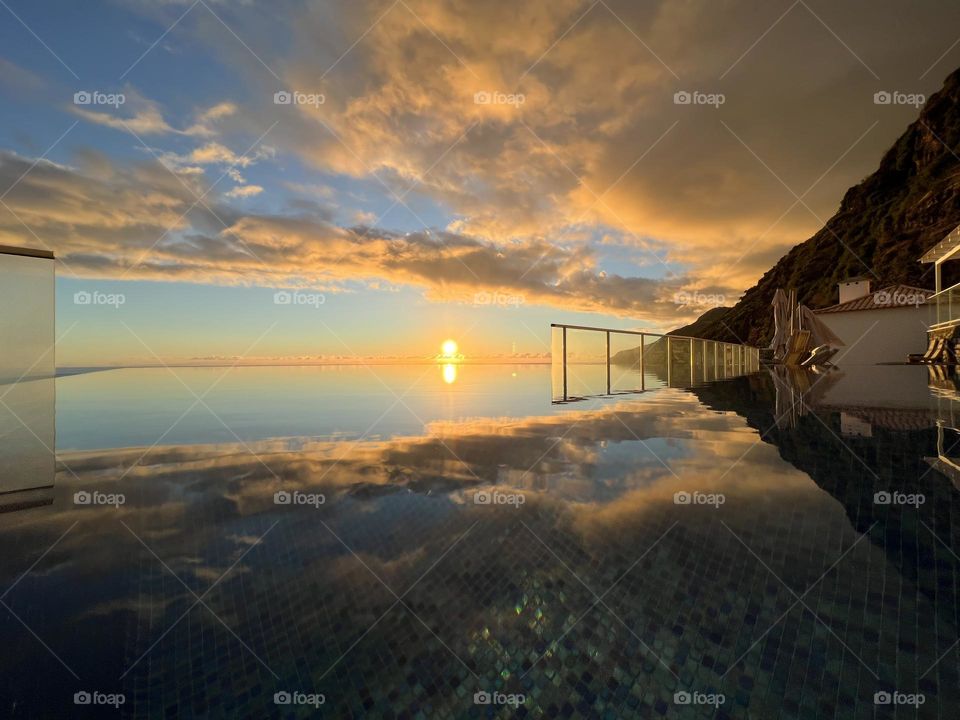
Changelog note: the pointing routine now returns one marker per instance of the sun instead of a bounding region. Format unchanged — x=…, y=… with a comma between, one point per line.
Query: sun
x=449, y=348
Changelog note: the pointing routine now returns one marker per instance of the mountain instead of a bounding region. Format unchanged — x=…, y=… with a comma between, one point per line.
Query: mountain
x=888, y=221
x=702, y=323
x=655, y=352
x=654, y=355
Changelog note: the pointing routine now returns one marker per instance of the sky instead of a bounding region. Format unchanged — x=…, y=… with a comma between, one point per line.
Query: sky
x=252, y=181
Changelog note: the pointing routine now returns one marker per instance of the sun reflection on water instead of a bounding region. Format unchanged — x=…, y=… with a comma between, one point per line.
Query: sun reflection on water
x=449, y=373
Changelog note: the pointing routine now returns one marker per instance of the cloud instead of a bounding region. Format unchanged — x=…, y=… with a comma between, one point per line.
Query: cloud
x=142, y=222
x=364, y=217
x=243, y=191
x=207, y=120
x=145, y=117
x=218, y=111
x=215, y=153
x=704, y=197
x=148, y=120
x=598, y=139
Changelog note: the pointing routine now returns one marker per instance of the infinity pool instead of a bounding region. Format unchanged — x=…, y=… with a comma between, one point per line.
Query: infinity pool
x=336, y=543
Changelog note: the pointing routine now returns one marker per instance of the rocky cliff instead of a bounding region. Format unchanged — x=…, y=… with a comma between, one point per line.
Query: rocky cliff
x=888, y=221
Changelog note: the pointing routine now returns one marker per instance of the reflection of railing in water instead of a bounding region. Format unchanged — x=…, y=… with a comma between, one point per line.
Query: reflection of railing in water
x=590, y=362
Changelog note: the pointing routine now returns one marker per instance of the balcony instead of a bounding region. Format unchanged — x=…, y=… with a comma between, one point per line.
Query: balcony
x=947, y=303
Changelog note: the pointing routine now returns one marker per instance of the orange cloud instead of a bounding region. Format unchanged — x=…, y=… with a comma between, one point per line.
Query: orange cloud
x=143, y=222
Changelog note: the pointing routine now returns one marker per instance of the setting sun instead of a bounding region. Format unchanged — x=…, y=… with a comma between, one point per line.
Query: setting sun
x=449, y=348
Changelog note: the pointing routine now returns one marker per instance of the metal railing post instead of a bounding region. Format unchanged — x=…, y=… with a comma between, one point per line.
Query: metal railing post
x=564, y=334
x=643, y=381
x=669, y=361
x=608, y=362
x=693, y=354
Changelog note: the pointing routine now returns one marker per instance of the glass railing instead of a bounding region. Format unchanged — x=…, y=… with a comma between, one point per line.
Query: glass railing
x=948, y=306
x=27, y=367
x=592, y=362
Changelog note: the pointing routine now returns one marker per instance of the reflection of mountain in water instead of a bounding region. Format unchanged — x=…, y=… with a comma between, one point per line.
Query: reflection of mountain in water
x=853, y=468
x=654, y=353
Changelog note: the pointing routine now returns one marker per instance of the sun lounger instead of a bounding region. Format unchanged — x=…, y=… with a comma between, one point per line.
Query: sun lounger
x=797, y=347
x=819, y=356
x=934, y=350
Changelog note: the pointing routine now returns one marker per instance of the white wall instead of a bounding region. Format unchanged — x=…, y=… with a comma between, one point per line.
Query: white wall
x=880, y=336
x=27, y=415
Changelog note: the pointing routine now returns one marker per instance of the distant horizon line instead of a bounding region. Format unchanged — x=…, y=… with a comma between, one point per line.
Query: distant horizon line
x=332, y=363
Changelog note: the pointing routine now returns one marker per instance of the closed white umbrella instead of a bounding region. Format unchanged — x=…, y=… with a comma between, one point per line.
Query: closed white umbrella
x=820, y=334
x=781, y=323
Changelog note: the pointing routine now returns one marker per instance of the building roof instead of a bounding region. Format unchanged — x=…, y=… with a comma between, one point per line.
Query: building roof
x=946, y=246
x=893, y=296
x=28, y=252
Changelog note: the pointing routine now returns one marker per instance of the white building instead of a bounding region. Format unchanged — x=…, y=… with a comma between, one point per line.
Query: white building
x=883, y=326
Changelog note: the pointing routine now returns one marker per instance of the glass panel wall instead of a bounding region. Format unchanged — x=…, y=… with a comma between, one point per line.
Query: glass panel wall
x=27, y=368
x=588, y=362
